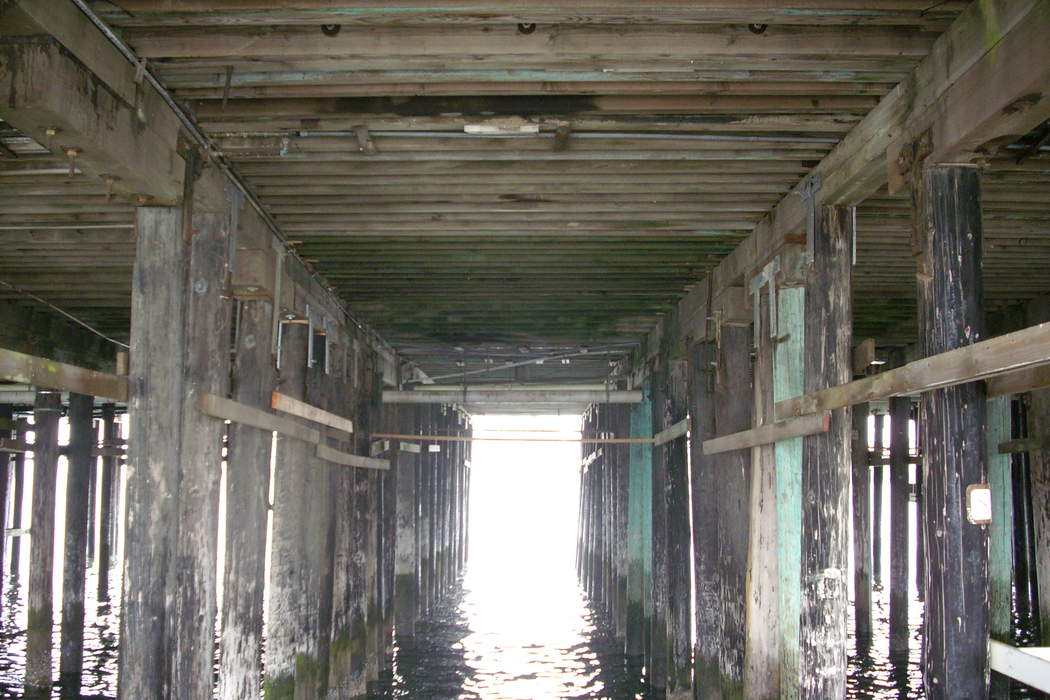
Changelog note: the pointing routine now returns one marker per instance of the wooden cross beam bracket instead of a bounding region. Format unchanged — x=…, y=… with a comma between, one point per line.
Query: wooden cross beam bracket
x=771, y=432
x=1030, y=665
x=295, y=407
x=672, y=432
x=1013, y=353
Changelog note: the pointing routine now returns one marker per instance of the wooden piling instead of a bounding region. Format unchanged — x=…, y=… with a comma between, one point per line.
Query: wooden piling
x=1038, y=425
x=82, y=439
x=826, y=476
x=639, y=535
x=155, y=388
x=862, y=548
x=247, y=507
x=206, y=347
x=40, y=599
x=1000, y=536
x=899, y=412
x=761, y=653
x=288, y=553
x=788, y=382
x=659, y=661
x=948, y=229
x=6, y=414
x=406, y=571
x=621, y=425
x=878, y=479
x=18, y=476
x=107, y=511
x=679, y=542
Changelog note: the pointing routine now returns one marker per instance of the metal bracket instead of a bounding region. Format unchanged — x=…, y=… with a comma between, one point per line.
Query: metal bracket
x=808, y=189
x=768, y=276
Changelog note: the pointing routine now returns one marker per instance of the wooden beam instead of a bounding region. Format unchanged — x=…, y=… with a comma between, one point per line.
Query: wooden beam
x=286, y=404
x=95, y=129
x=228, y=409
x=38, y=371
x=1030, y=665
x=770, y=433
x=523, y=396
x=331, y=455
x=1013, y=352
x=672, y=432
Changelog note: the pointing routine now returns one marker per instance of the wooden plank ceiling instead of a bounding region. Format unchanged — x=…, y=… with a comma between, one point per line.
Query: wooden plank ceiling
x=490, y=180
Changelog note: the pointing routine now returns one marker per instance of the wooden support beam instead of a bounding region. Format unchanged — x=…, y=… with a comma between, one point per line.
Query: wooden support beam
x=788, y=377
x=406, y=582
x=639, y=532
x=659, y=661
x=228, y=409
x=1000, y=536
x=862, y=548
x=770, y=433
x=38, y=371
x=97, y=130
x=155, y=409
x=287, y=404
x=672, y=432
x=38, y=681
x=82, y=438
x=948, y=221
x=517, y=396
x=6, y=414
x=350, y=460
x=1013, y=352
x=1029, y=665
x=826, y=478
x=878, y=487
x=108, y=486
x=899, y=410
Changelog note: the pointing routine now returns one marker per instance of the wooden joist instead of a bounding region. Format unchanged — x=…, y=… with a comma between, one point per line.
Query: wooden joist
x=227, y=409
x=770, y=433
x=295, y=407
x=1014, y=352
x=1029, y=665
x=513, y=396
x=672, y=432
x=41, y=372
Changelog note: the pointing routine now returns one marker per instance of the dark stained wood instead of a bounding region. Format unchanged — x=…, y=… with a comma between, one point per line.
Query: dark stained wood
x=247, y=507
x=861, y=485
x=899, y=413
x=82, y=438
x=406, y=557
x=288, y=574
x=207, y=353
x=1038, y=415
x=40, y=598
x=878, y=483
x=659, y=663
x=826, y=460
x=676, y=494
x=17, y=515
x=950, y=315
x=159, y=302
x=6, y=480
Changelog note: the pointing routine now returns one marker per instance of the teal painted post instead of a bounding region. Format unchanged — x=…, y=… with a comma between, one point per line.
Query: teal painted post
x=1000, y=534
x=787, y=383
x=639, y=529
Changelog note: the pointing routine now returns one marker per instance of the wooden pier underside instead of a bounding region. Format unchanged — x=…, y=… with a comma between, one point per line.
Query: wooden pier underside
x=678, y=215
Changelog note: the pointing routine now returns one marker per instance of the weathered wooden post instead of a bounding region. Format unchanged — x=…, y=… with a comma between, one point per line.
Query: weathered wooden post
x=406, y=573
x=247, y=507
x=6, y=416
x=621, y=427
x=703, y=489
x=1000, y=536
x=788, y=382
x=1038, y=416
x=676, y=496
x=826, y=460
x=155, y=407
x=639, y=531
x=761, y=653
x=40, y=600
x=107, y=510
x=18, y=475
x=862, y=548
x=206, y=350
x=899, y=411
x=948, y=230
x=82, y=439
x=288, y=555
x=658, y=667
x=878, y=478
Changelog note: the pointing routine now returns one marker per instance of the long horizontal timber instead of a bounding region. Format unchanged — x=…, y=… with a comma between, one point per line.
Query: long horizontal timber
x=295, y=407
x=524, y=396
x=38, y=371
x=228, y=409
x=467, y=438
x=349, y=460
x=770, y=433
x=1029, y=665
x=1014, y=352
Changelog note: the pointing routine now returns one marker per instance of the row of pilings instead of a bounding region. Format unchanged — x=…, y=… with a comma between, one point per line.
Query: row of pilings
x=731, y=563
x=352, y=549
